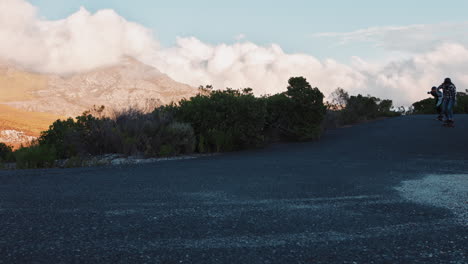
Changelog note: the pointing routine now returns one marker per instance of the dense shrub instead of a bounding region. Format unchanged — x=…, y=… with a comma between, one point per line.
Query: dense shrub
x=426, y=106
x=360, y=108
x=61, y=134
x=296, y=114
x=345, y=109
x=154, y=134
x=386, y=109
x=178, y=138
x=462, y=103
x=35, y=156
x=6, y=153
x=225, y=120
x=130, y=132
x=277, y=120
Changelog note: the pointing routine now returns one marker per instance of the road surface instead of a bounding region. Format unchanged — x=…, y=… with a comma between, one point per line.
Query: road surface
x=390, y=191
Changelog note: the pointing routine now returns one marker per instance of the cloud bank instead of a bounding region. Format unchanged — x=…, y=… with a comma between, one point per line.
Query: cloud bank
x=84, y=41
x=80, y=42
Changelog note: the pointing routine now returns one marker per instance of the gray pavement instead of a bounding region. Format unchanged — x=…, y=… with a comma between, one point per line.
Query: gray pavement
x=390, y=191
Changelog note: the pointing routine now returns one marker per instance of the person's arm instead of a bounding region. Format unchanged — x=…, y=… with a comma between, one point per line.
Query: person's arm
x=440, y=92
x=440, y=98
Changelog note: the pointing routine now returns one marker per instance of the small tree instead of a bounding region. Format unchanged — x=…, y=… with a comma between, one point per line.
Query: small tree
x=462, y=103
x=426, y=106
x=225, y=120
x=61, y=135
x=361, y=108
x=6, y=153
x=339, y=99
x=297, y=113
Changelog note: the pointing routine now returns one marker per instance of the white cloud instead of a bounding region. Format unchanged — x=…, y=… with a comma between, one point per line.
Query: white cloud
x=84, y=41
x=266, y=69
x=411, y=38
x=80, y=42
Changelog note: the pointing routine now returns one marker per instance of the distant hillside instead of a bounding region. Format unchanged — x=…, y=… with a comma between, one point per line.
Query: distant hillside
x=128, y=84
x=17, y=85
x=18, y=126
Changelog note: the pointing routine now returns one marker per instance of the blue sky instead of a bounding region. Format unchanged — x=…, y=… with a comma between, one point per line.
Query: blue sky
x=290, y=24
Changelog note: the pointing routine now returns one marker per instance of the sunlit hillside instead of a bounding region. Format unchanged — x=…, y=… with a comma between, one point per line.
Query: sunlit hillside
x=31, y=123
x=18, y=126
x=18, y=86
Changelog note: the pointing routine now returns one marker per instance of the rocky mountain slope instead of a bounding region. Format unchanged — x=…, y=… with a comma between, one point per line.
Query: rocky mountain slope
x=128, y=84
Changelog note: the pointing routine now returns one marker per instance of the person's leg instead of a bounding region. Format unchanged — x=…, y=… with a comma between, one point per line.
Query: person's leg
x=439, y=112
x=444, y=109
x=450, y=106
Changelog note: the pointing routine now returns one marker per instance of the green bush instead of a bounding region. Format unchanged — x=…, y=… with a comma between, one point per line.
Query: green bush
x=426, y=106
x=296, y=114
x=225, y=120
x=130, y=132
x=181, y=138
x=386, y=109
x=345, y=109
x=462, y=103
x=35, y=156
x=154, y=134
x=173, y=139
x=6, y=153
x=64, y=135
x=360, y=108
x=277, y=122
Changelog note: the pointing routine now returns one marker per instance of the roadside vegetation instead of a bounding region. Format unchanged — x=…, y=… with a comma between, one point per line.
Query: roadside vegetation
x=344, y=109
x=212, y=121
x=6, y=154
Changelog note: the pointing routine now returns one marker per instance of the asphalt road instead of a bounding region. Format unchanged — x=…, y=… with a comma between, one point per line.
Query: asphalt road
x=365, y=194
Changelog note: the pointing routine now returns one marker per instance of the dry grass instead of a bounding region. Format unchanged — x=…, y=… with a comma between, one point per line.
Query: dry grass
x=32, y=123
x=17, y=86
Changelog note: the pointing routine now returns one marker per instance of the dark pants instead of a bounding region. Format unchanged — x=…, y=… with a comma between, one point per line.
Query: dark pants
x=448, y=108
x=439, y=111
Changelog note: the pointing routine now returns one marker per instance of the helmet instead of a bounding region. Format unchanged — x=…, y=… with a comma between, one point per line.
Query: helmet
x=447, y=80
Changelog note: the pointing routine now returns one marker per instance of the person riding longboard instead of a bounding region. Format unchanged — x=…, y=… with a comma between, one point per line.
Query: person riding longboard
x=449, y=101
